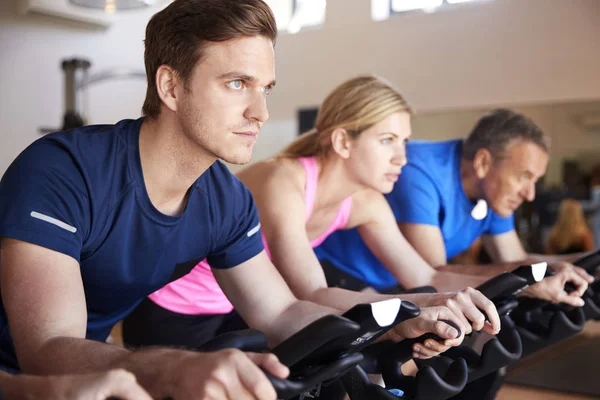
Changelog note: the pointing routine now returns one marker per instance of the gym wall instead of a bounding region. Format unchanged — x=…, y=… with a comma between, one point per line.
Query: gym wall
x=561, y=121
x=500, y=52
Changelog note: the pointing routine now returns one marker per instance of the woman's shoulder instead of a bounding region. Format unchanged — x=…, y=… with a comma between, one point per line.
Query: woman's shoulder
x=367, y=205
x=366, y=196
x=279, y=173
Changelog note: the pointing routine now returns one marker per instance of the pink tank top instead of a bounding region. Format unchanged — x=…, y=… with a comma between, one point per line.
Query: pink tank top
x=199, y=293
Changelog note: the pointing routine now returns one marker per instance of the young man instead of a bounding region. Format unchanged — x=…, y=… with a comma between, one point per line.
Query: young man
x=451, y=193
x=93, y=220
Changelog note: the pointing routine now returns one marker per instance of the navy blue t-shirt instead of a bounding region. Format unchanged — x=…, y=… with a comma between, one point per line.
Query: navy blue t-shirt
x=82, y=193
x=429, y=191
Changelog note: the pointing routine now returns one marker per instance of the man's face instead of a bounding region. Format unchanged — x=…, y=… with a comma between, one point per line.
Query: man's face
x=225, y=103
x=511, y=178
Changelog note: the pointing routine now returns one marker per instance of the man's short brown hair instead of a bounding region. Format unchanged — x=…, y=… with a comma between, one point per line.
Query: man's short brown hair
x=176, y=36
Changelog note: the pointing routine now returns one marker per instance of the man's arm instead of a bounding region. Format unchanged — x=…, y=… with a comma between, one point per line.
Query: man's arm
x=377, y=227
x=101, y=385
x=279, y=314
x=507, y=253
x=44, y=300
x=416, y=203
x=507, y=246
x=428, y=241
x=265, y=302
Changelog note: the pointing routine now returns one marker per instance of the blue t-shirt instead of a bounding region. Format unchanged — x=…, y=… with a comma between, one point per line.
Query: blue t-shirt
x=429, y=191
x=82, y=193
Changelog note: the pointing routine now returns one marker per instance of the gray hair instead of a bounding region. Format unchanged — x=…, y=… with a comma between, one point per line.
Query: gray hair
x=498, y=128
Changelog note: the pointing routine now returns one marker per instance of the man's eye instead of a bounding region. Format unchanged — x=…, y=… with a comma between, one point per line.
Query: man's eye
x=267, y=90
x=386, y=140
x=237, y=84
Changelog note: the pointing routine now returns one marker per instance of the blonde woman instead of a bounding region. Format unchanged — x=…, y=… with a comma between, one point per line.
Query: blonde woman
x=330, y=178
x=570, y=233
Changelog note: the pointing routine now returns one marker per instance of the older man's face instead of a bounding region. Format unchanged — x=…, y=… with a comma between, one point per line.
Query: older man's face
x=512, y=177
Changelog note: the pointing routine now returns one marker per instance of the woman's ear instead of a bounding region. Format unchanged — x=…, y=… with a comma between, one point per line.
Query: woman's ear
x=482, y=163
x=341, y=142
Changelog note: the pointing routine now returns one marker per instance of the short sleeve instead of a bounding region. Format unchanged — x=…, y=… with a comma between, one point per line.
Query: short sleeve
x=43, y=200
x=240, y=237
x=415, y=198
x=499, y=225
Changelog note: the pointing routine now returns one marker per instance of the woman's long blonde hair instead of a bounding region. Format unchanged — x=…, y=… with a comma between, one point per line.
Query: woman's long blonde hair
x=355, y=105
x=569, y=228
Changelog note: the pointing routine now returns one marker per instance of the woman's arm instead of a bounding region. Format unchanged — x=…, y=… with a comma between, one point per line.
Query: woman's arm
x=282, y=211
x=280, y=202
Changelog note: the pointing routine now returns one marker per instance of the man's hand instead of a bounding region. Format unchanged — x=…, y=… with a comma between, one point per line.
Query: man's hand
x=429, y=321
x=227, y=374
x=467, y=305
x=552, y=288
x=563, y=265
x=93, y=386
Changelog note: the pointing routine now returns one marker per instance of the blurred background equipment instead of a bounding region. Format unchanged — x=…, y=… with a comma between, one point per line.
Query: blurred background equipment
x=77, y=80
x=113, y=5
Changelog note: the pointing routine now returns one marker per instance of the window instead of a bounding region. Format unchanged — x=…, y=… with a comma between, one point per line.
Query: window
x=293, y=15
x=382, y=9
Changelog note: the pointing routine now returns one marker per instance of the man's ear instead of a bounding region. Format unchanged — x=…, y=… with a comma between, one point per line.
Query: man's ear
x=341, y=142
x=167, y=81
x=482, y=163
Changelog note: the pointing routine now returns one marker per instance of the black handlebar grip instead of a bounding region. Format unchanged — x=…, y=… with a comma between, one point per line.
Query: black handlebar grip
x=287, y=388
x=589, y=262
x=245, y=340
